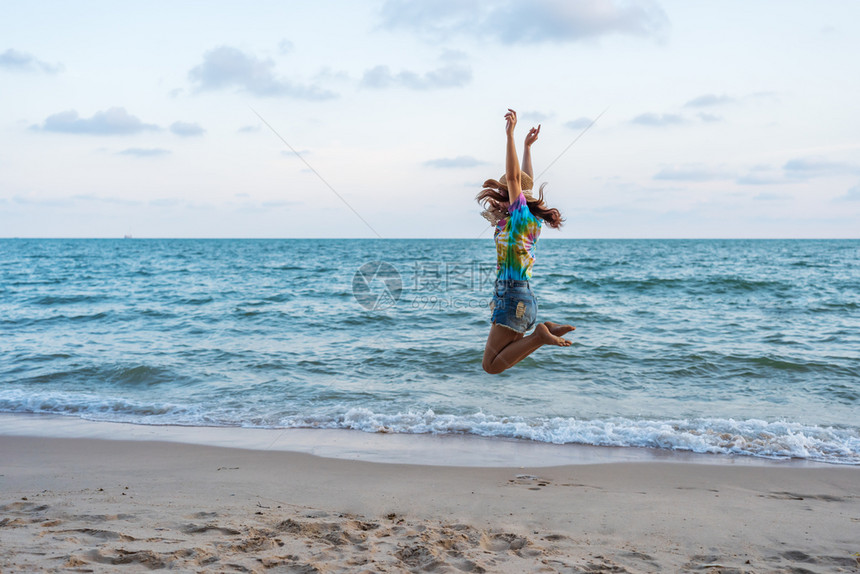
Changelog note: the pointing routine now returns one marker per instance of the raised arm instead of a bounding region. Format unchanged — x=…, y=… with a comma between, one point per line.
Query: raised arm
x=531, y=138
x=512, y=166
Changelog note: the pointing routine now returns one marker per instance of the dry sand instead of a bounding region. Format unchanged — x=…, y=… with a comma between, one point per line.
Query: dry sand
x=88, y=505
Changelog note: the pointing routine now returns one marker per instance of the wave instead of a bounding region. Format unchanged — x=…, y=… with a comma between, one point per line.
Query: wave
x=286, y=267
x=195, y=300
x=53, y=300
x=776, y=440
x=710, y=285
x=94, y=407
x=117, y=376
x=762, y=366
x=780, y=440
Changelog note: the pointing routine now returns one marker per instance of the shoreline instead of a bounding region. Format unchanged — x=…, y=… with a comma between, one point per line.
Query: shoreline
x=460, y=450
x=86, y=504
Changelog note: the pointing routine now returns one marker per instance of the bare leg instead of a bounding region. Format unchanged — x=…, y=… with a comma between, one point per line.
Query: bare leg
x=506, y=348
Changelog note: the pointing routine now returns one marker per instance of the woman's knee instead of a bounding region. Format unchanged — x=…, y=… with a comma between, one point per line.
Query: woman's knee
x=489, y=368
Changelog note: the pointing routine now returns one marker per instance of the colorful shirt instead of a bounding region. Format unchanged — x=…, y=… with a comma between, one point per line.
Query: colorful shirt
x=516, y=237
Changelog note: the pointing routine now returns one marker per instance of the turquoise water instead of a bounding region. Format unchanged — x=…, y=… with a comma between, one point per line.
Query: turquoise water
x=738, y=347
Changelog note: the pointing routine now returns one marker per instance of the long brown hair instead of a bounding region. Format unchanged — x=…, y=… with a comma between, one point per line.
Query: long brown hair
x=494, y=198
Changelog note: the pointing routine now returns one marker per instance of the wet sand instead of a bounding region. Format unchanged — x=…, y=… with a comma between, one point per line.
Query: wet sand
x=91, y=505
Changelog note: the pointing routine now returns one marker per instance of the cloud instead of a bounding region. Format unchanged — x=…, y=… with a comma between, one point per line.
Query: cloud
x=227, y=67
x=770, y=196
x=285, y=46
x=454, y=162
x=767, y=96
x=249, y=129
x=718, y=100
x=579, y=123
x=100, y=199
x=327, y=74
x=535, y=116
x=765, y=175
x=186, y=129
x=852, y=194
x=439, y=19
x=658, y=120
x=292, y=155
x=754, y=178
x=708, y=100
x=451, y=55
x=796, y=171
x=165, y=202
x=49, y=201
x=692, y=173
x=278, y=203
x=113, y=121
x=528, y=22
x=563, y=21
x=447, y=76
x=709, y=118
x=806, y=168
x=145, y=152
x=23, y=62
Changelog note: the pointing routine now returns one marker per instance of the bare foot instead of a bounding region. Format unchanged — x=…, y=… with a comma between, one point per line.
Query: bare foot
x=547, y=338
x=558, y=330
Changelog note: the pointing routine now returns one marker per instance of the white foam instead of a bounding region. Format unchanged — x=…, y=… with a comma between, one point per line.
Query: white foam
x=778, y=440
x=760, y=438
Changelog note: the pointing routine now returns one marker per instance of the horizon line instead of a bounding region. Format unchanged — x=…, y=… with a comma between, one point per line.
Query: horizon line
x=120, y=238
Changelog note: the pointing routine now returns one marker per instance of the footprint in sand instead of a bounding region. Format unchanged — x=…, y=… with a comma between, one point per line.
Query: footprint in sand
x=101, y=517
x=198, y=529
x=795, y=496
x=502, y=542
x=100, y=534
x=420, y=557
x=22, y=514
x=529, y=480
x=848, y=563
x=23, y=508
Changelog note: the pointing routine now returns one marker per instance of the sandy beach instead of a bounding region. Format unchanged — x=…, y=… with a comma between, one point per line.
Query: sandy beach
x=90, y=505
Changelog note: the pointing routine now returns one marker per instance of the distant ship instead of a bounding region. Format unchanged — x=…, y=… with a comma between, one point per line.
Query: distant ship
x=126, y=236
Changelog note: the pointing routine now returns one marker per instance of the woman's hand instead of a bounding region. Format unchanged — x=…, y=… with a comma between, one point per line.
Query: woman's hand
x=532, y=136
x=511, y=122
x=512, y=167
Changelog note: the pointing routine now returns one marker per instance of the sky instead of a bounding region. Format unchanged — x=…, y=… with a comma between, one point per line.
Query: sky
x=731, y=119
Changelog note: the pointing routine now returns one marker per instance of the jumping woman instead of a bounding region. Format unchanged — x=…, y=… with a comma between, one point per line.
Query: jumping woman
x=517, y=216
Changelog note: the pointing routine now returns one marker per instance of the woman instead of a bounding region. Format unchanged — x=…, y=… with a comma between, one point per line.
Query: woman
x=517, y=216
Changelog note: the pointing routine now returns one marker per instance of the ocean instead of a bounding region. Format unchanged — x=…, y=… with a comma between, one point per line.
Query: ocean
x=731, y=347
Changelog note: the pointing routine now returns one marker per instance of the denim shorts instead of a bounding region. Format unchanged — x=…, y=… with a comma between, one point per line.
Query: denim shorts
x=513, y=305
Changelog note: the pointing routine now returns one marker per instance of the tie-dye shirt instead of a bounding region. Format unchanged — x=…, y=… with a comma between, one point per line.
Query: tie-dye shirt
x=516, y=237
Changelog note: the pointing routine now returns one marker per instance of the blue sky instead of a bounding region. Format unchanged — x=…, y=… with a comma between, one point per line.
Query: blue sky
x=723, y=119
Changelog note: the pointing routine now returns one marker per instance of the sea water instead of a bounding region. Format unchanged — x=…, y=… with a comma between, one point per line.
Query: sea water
x=748, y=348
